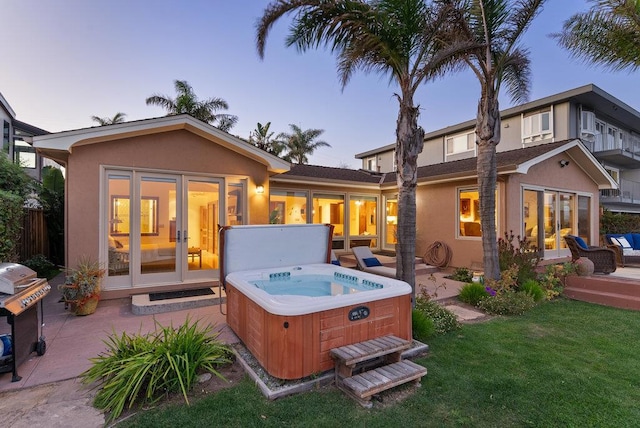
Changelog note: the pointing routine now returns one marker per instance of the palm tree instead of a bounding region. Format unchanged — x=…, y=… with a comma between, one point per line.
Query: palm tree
x=493, y=28
x=301, y=143
x=186, y=102
x=263, y=139
x=608, y=34
x=102, y=121
x=396, y=38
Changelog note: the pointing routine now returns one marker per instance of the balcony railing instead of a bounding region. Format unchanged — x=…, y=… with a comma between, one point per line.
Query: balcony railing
x=626, y=142
x=629, y=192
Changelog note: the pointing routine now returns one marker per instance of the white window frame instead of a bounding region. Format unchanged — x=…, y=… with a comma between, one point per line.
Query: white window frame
x=532, y=130
x=464, y=142
x=588, y=123
x=370, y=163
x=614, y=173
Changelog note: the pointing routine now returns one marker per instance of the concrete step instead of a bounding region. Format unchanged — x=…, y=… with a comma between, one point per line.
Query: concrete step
x=617, y=300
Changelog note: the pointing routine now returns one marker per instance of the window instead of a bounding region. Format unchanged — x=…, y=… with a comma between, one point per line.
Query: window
x=537, y=126
x=614, y=173
x=24, y=154
x=6, y=132
x=460, y=143
x=329, y=208
x=469, y=212
x=287, y=207
x=371, y=163
x=588, y=123
x=363, y=212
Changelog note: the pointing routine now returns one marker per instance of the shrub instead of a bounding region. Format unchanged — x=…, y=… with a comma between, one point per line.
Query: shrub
x=525, y=256
x=11, y=214
x=508, y=281
x=462, y=274
x=443, y=319
x=473, y=293
x=532, y=288
x=508, y=303
x=423, y=326
x=42, y=266
x=552, y=280
x=143, y=367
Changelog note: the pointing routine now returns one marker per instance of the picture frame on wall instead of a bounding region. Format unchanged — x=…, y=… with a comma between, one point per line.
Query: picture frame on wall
x=465, y=206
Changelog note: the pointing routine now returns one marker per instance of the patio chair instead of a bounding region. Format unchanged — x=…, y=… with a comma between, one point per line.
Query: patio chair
x=367, y=262
x=604, y=259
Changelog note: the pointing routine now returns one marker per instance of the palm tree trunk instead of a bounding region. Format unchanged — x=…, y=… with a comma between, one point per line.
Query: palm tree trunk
x=410, y=140
x=488, y=137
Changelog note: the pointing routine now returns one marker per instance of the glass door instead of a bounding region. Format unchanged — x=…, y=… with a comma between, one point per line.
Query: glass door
x=559, y=219
x=391, y=224
x=201, y=216
x=156, y=219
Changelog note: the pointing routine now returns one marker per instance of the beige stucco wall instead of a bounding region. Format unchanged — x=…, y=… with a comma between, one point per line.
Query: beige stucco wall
x=170, y=152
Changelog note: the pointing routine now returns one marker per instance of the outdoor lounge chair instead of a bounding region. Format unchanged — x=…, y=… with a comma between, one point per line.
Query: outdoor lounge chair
x=604, y=259
x=334, y=259
x=367, y=262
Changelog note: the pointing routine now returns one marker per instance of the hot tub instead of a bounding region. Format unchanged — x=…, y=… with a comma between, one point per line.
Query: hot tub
x=290, y=317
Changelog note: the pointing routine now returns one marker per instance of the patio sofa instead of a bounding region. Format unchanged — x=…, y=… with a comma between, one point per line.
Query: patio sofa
x=626, y=246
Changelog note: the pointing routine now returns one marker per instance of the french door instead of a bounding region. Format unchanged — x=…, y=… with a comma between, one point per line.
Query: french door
x=162, y=228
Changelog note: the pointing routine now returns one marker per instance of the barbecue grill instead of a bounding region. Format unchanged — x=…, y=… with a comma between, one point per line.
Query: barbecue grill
x=20, y=292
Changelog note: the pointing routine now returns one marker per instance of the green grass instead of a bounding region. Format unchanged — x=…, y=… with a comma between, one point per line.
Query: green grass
x=564, y=363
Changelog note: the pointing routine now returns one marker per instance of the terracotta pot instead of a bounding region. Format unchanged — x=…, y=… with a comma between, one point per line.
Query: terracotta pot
x=87, y=308
x=584, y=266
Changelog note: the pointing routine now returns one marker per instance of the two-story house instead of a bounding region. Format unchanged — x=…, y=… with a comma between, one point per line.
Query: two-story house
x=16, y=141
x=606, y=126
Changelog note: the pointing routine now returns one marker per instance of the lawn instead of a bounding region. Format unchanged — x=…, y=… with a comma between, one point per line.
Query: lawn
x=565, y=363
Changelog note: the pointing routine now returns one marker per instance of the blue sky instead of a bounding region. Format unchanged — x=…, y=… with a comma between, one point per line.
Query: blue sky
x=64, y=61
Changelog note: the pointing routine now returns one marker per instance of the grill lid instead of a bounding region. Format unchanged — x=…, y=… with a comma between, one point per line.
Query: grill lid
x=13, y=275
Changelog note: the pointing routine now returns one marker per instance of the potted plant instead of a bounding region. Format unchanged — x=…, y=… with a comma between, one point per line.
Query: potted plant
x=81, y=289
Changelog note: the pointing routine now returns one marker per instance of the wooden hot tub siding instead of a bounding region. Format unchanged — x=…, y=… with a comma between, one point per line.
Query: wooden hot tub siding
x=303, y=348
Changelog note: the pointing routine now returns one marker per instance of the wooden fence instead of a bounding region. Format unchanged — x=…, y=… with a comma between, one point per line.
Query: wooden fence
x=34, y=235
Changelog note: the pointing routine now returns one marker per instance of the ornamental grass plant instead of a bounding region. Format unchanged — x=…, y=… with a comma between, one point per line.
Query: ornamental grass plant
x=142, y=368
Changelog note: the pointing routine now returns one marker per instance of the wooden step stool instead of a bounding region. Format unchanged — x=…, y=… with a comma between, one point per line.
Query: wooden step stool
x=363, y=386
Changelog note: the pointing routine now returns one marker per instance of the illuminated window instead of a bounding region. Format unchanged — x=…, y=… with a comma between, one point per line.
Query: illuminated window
x=469, y=212
x=329, y=208
x=363, y=216
x=287, y=207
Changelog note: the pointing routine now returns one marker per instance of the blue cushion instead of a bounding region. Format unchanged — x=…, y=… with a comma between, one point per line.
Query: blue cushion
x=635, y=240
x=371, y=261
x=580, y=242
x=335, y=262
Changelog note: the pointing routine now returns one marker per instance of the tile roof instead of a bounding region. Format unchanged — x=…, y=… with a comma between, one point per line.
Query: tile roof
x=330, y=174
x=506, y=161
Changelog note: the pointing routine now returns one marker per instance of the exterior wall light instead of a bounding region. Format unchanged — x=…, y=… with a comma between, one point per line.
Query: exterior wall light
x=260, y=189
x=563, y=163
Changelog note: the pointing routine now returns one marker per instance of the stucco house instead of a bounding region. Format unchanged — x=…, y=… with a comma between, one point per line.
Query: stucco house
x=146, y=197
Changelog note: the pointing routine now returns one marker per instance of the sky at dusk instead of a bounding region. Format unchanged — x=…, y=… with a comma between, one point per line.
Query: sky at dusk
x=64, y=61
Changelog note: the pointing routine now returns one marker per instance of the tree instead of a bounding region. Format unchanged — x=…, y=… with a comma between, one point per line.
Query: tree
x=102, y=121
x=186, y=102
x=263, y=139
x=396, y=38
x=492, y=29
x=608, y=34
x=299, y=144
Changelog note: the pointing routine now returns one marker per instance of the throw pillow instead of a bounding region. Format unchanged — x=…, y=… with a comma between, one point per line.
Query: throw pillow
x=624, y=243
x=371, y=262
x=581, y=242
x=615, y=241
x=335, y=262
